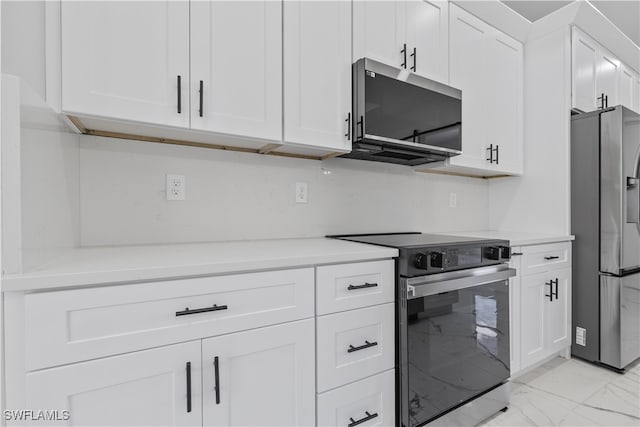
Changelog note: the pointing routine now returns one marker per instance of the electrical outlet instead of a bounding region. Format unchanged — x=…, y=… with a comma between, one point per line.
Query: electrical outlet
x=176, y=187
x=453, y=200
x=302, y=192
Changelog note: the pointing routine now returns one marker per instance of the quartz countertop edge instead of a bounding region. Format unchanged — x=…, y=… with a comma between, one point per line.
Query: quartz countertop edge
x=516, y=238
x=92, y=266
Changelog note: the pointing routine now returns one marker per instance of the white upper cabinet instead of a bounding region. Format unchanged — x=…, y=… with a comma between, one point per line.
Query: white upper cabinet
x=317, y=74
x=411, y=34
x=487, y=65
x=236, y=67
x=597, y=73
x=126, y=60
x=427, y=35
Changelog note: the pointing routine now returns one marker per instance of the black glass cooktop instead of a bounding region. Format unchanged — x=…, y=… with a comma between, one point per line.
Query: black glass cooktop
x=410, y=239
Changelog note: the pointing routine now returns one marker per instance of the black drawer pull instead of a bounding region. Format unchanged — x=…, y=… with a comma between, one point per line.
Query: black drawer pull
x=362, y=420
x=188, y=386
x=366, y=344
x=179, y=94
x=555, y=294
x=516, y=253
x=187, y=311
x=404, y=56
x=216, y=378
x=366, y=285
x=549, y=258
x=201, y=110
x=413, y=55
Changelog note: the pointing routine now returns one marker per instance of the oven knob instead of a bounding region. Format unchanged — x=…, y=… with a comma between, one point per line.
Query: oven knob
x=437, y=259
x=492, y=253
x=422, y=261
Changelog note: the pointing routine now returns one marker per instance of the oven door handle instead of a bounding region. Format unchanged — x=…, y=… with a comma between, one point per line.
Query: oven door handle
x=423, y=286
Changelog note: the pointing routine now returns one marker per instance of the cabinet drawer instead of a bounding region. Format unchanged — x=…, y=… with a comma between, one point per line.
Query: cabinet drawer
x=348, y=286
x=372, y=398
x=83, y=324
x=537, y=258
x=354, y=344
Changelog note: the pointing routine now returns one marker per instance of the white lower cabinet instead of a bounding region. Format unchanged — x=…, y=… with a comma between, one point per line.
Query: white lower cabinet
x=260, y=377
x=146, y=388
x=541, y=304
x=370, y=401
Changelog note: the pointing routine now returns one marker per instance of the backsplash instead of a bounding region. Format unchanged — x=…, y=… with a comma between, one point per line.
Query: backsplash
x=236, y=196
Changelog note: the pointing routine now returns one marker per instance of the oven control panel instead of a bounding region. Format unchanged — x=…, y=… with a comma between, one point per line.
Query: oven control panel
x=440, y=259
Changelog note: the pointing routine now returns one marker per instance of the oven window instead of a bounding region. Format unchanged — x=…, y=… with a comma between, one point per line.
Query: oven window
x=458, y=347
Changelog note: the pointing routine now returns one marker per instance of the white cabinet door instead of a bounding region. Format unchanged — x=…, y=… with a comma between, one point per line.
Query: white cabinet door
x=468, y=72
x=264, y=377
x=626, y=86
x=503, y=102
x=236, y=57
x=123, y=60
x=146, y=388
x=427, y=38
x=378, y=31
x=317, y=71
x=533, y=335
x=584, y=59
x=607, y=76
x=559, y=310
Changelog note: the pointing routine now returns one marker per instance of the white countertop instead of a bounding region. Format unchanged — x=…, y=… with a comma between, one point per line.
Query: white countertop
x=516, y=238
x=103, y=265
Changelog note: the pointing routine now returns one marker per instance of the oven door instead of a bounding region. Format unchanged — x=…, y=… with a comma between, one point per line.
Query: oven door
x=454, y=340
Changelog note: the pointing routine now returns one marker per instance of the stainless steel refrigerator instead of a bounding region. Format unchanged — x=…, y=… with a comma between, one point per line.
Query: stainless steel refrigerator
x=605, y=218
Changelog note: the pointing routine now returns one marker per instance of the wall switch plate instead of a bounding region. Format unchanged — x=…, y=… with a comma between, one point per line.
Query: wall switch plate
x=453, y=200
x=302, y=192
x=176, y=187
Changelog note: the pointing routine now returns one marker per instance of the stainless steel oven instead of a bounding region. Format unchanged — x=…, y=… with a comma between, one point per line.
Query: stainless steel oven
x=454, y=344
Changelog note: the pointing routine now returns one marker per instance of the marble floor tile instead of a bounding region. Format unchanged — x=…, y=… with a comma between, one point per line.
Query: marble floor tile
x=573, y=393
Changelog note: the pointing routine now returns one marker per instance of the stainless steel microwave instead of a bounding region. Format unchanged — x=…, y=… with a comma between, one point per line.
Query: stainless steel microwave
x=401, y=117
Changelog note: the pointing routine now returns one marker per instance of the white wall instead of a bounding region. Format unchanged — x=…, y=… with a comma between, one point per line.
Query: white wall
x=539, y=200
x=232, y=196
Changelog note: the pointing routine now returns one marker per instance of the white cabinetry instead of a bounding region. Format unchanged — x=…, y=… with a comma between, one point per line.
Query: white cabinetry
x=597, y=73
x=152, y=387
x=236, y=68
x=126, y=60
x=411, y=34
x=317, y=74
x=260, y=377
x=541, y=303
x=487, y=66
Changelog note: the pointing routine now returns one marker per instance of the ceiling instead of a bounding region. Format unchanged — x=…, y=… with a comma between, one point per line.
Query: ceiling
x=625, y=14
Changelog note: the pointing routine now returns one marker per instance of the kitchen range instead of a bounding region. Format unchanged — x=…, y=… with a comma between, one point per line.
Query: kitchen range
x=452, y=327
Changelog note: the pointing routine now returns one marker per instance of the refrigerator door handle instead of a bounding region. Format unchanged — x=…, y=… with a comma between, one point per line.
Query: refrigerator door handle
x=633, y=200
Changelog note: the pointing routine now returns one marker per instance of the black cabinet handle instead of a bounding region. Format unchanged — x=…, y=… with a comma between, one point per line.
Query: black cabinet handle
x=201, y=110
x=549, y=258
x=179, y=94
x=188, y=311
x=360, y=123
x=366, y=418
x=404, y=56
x=556, y=292
x=602, y=100
x=490, y=150
x=188, y=386
x=366, y=344
x=216, y=378
x=413, y=55
x=550, y=294
x=516, y=253
x=606, y=101
x=348, y=120
x=366, y=285
x=497, y=154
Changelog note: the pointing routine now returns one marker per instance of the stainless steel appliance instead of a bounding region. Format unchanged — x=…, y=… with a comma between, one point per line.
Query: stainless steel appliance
x=452, y=328
x=401, y=117
x=605, y=218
